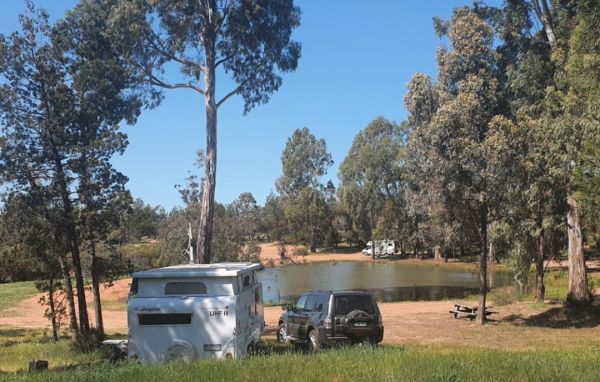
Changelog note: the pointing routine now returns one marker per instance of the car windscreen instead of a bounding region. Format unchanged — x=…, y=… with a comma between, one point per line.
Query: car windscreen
x=345, y=304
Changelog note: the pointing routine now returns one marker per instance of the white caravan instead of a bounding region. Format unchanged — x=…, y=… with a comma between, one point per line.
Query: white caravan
x=382, y=248
x=195, y=311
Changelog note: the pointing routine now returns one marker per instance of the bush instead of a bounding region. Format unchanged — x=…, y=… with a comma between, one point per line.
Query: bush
x=300, y=251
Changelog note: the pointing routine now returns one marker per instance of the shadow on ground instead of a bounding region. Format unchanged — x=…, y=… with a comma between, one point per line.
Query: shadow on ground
x=560, y=318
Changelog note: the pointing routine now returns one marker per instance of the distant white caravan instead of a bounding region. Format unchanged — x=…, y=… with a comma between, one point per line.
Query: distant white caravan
x=195, y=311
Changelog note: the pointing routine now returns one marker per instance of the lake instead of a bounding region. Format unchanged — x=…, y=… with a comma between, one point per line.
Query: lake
x=395, y=281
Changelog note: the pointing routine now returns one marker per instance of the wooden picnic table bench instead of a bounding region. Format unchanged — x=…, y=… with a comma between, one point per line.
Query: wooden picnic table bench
x=469, y=311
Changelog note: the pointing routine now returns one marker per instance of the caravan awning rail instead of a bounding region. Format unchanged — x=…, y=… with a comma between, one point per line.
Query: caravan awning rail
x=199, y=270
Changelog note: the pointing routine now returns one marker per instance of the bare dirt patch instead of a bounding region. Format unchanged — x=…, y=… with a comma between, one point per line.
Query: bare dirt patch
x=517, y=326
x=269, y=256
x=521, y=325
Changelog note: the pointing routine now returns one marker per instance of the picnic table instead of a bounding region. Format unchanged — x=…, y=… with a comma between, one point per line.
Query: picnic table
x=469, y=311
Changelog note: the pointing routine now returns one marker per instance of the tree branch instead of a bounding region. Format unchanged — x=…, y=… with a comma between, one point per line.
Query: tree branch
x=240, y=86
x=160, y=47
x=155, y=81
x=224, y=59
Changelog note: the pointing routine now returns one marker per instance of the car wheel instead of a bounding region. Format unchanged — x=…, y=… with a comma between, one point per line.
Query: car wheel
x=313, y=342
x=251, y=350
x=282, y=334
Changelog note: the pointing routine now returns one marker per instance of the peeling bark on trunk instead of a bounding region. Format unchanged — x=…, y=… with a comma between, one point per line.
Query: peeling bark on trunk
x=68, y=288
x=482, y=268
x=578, y=289
x=540, y=289
x=204, y=246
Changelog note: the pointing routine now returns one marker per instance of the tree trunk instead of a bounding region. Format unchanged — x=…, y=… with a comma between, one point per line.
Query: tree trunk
x=71, y=231
x=482, y=268
x=71, y=300
x=578, y=289
x=540, y=289
x=52, y=308
x=416, y=254
x=490, y=265
x=96, y=291
x=313, y=241
x=437, y=253
x=204, y=246
x=542, y=11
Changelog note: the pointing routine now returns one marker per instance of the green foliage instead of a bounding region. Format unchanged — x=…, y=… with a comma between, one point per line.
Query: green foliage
x=141, y=220
x=453, y=139
x=142, y=256
x=304, y=161
x=373, y=182
x=303, y=203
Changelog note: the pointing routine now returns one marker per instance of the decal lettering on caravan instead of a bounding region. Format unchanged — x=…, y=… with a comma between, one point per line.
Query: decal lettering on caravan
x=148, y=309
x=219, y=311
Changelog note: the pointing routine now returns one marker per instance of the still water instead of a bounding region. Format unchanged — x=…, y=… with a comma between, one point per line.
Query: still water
x=387, y=281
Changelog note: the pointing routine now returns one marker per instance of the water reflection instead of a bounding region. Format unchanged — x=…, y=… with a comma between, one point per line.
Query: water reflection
x=387, y=281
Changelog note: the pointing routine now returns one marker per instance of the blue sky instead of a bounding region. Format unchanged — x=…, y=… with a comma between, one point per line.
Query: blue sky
x=357, y=57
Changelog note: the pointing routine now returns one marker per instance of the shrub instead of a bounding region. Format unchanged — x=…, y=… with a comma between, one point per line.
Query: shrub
x=300, y=251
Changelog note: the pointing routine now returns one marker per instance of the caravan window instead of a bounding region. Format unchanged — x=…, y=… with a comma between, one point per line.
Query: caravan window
x=165, y=319
x=133, y=291
x=185, y=287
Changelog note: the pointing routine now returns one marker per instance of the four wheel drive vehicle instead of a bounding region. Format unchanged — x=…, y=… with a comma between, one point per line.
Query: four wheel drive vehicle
x=321, y=318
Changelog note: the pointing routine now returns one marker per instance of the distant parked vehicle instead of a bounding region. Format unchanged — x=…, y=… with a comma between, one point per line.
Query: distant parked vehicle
x=385, y=247
x=321, y=318
x=195, y=311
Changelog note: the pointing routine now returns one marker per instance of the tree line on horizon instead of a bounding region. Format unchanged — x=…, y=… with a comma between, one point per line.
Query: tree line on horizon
x=499, y=156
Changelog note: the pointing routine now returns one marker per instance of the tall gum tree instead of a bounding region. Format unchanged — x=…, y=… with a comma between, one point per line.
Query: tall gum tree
x=457, y=130
x=570, y=115
x=248, y=40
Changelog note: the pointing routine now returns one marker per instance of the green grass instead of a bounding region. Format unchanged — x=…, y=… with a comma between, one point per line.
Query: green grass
x=411, y=363
x=555, y=282
x=13, y=293
x=18, y=346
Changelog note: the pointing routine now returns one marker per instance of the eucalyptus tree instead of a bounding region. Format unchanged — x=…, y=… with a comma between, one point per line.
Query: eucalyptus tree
x=581, y=131
x=304, y=162
x=249, y=41
x=459, y=128
x=569, y=111
x=373, y=182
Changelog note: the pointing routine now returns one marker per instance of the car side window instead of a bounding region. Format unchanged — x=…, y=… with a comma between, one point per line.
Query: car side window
x=321, y=303
x=310, y=302
x=301, y=303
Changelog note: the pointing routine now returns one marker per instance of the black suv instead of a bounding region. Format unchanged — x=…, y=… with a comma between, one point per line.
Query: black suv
x=322, y=318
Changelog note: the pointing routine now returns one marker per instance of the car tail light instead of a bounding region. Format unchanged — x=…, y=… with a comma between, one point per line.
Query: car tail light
x=328, y=322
